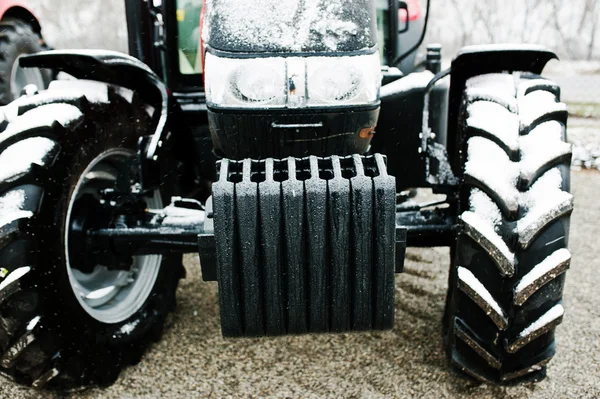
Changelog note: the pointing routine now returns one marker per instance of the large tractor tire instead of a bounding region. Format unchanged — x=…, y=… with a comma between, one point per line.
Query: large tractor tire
x=507, y=277
x=17, y=39
x=65, y=323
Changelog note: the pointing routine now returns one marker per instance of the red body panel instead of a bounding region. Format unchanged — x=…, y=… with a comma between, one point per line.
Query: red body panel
x=8, y=4
x=414, y=11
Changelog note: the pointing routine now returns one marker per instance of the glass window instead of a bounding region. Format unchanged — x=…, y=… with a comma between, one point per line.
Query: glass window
x=188, y=27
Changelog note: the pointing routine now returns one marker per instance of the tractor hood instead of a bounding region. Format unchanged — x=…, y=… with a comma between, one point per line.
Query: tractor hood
x=290, y=26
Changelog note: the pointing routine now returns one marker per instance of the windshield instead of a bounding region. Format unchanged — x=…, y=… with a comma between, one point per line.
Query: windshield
x=188, y=38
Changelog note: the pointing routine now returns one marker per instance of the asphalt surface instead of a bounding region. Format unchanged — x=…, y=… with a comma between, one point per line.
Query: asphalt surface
x=193, y=360
x=579, y=89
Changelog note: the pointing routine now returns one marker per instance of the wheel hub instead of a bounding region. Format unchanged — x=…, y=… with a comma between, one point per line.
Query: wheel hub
x=109, y=294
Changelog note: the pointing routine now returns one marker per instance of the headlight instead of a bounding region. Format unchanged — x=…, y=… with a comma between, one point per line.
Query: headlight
x=257, y=83
x=292, y=82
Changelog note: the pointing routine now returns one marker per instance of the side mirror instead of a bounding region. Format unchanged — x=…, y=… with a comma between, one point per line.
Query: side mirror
x=403, y=6
x=396, y=9
x=392, y=29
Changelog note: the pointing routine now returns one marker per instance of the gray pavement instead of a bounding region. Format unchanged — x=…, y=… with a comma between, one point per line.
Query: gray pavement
x=578, y=89
x=193, y=360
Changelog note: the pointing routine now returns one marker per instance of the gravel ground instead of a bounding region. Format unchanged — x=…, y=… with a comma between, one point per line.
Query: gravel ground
x=584, y=134
x=194, y=361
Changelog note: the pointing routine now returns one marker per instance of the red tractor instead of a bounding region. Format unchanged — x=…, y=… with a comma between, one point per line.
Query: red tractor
x=20, y=33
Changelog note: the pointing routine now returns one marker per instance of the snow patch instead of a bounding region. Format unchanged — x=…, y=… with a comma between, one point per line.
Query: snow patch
x=489, y=164
x=285, y=25
x=470, y=280
x=129, y=327
x=545, y=199
x=545, y=267
x=485, y=207
x=444, y=175
x=556, y=312
x=18, y=158
x=94, y=92
x=10, y=207
x=42, y=116
x=542, y=145
x=414, y=81
x=487, y=230
x=31, y=325
x=14, y=276
x=537, y=109
x=493, y=118
x=500, y=84
x=537, y=103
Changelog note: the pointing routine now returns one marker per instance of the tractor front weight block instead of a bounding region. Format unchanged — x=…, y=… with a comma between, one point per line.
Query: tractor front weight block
x=304, y=245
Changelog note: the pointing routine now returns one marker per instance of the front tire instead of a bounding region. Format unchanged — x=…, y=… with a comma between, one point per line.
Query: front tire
x=47, y=336
x=506, y=281
x=16, y=39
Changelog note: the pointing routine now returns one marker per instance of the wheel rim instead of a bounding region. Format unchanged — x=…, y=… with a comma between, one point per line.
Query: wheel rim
x=21, y=77
x=110, y=296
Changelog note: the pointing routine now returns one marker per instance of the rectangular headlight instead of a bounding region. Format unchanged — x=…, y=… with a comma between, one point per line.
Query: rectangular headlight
x=292, y=82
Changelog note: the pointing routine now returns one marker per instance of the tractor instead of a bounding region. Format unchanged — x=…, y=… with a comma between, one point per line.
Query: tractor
x=280, y=142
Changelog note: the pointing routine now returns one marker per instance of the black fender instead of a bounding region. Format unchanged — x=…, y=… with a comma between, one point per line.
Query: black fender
x=478, y=60
x=122, y=70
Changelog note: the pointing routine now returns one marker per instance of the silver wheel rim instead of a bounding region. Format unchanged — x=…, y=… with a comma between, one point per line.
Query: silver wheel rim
x=21, y=77
x=110, y=296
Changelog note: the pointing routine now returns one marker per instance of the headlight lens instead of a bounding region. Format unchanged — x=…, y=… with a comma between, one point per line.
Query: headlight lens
x=334, y=83
x=257, y=83
x=292, y=82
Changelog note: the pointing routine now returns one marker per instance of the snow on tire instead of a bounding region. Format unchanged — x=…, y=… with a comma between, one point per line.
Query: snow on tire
x=46, y=338
x=506, y=282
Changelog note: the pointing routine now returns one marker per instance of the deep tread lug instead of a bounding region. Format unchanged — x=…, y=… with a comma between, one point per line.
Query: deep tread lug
x=541, y=326
x=45, y=378
x=467, y=337
x=541, y=274
x=18, y=346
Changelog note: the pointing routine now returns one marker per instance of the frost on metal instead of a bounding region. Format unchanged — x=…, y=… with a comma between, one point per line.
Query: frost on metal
x=444, y=175
x=482, y=232
x=288, y=25
x=11, y=205
x=489, y=166
x=544, y=202
x=544, y=272
x=471, y=286
x=17, y=159
x=545, y=323
x=542, y=147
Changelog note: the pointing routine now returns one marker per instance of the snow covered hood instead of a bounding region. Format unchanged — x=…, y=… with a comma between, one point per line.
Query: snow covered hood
x=290, y=25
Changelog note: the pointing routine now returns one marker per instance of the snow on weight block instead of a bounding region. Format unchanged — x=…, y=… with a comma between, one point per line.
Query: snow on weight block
x=305, y=245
